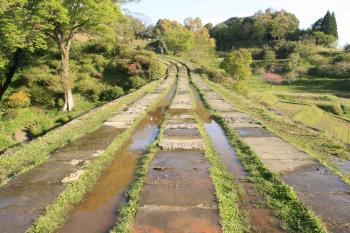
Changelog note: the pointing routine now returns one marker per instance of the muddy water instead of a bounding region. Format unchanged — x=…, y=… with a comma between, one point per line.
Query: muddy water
x=261, y=219
x=98, y=212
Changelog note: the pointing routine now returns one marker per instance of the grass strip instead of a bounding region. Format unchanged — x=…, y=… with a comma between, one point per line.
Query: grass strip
x=127, y=212
x=228, y=191
x=28, y=156
x=56, y=213
x=315, y=143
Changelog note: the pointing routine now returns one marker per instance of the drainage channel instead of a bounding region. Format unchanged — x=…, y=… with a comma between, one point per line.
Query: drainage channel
x=97, y=214
x=178, y=195
x=261, y=219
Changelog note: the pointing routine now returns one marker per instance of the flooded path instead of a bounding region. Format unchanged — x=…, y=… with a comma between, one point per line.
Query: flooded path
x=317, y=187
x=261, y=219
x=25, y=197
x=178, y=195
x=97, y=214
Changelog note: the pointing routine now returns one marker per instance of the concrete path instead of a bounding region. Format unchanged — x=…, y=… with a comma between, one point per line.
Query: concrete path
x=178, y=195
x=317, y=187
x=25, y=197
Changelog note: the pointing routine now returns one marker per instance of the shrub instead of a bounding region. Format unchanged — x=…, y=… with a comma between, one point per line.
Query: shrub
x=291, y=76
x=10, y=114
x=134, y=68
x=285, y=48
x=40, y=126
x=334, y=108
x=237, y=64
x=44, y=97
x=344, y=57
x=337, y=70
x=269, y=57
x=137, y=81
x=89, y=68
x=19, y=99
x=111, y=93
x=90, y=88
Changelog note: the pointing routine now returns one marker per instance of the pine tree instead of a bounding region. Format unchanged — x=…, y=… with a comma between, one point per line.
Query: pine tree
x=326, y=25
x=334, y=26
x=329, y=24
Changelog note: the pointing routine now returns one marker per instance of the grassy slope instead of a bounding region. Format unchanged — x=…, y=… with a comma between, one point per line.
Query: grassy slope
x=36, y=152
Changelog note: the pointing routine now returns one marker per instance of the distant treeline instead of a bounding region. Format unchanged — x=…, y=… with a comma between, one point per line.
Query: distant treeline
x=271, y=26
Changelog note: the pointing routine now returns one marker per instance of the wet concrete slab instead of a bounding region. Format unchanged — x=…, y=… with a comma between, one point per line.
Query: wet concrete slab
x=253, y=132
x=182, y=132
x=174, y=177
x=176, y=220
x=181, y=143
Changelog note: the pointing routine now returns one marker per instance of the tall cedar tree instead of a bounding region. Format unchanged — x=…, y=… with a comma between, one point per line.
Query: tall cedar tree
x=329, y=24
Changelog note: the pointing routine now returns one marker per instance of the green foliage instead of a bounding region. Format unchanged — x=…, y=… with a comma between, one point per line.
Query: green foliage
x=253, y=30
x=334, y=108
x=237, y=64
x=179, y=40
x=137, y=81
x=329, y=24
x=337, y=70
x=269, y=57
x=111, y=93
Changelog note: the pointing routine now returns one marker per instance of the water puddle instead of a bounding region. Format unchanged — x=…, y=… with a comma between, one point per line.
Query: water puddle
x=97, y=214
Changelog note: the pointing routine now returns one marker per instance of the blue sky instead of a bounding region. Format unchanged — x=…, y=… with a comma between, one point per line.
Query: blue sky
x=215, y=11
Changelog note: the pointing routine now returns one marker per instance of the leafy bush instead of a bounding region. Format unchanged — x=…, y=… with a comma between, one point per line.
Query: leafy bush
x=89, y=68
x=90, y=88
x=10, y=114
x=337, y=70
x=344, y=57
x=137, y=81
x=334, y=108
x=285, y=48
x=319, y=60
x=43, y=96
x=19, y=99
x=111, y=93
x=41, y=125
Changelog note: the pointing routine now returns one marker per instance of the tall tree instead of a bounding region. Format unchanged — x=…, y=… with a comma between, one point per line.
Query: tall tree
x=193, y=24
x=237, y=64
x=16, y=35
x=329, y=24
x=60, y=20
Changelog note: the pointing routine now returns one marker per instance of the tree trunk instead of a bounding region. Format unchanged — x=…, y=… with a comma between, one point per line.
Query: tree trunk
x=65, y=78
x=11, y=72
